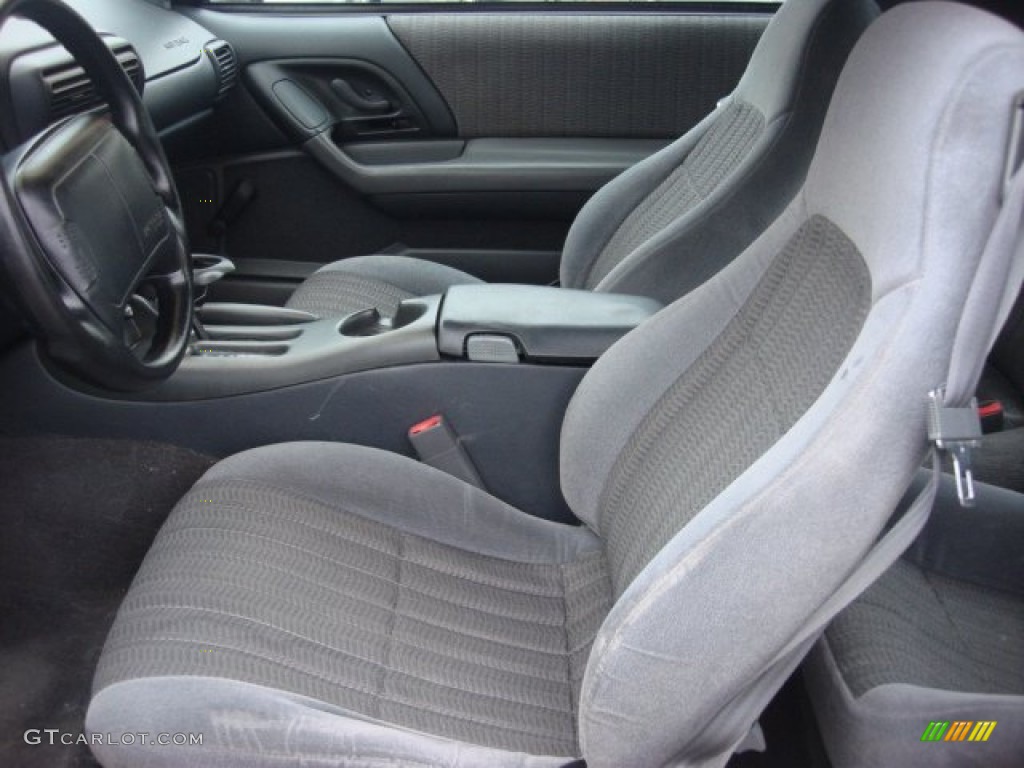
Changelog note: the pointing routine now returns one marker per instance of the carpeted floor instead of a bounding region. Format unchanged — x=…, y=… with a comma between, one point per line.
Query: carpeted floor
x=77, y=516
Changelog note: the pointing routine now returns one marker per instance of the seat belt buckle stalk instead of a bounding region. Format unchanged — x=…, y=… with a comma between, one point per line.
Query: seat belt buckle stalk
x=437, y=445
x=956, y=431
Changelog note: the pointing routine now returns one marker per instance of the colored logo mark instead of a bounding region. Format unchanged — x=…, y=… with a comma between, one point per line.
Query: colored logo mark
x=958, y=730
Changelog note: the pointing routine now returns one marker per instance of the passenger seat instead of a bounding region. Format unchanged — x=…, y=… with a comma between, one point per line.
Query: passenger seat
x=674, y=220
x=920, y=667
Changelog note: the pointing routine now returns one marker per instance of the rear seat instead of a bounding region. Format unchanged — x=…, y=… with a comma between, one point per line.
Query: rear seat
x=939, y=638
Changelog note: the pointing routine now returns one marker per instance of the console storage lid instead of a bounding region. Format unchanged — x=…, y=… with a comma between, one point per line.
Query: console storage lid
x=507, y=323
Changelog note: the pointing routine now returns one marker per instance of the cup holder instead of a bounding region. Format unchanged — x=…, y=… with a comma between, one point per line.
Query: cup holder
x=370, y=322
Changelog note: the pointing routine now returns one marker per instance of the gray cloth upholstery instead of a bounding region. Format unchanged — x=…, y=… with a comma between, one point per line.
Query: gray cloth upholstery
x=571, y=75
x=250, y=726
x=761, y=556
x=725, y=144
x=380, y=281
x=749, y=158
x=668, y=224
x=884, y=726
x=979, y=549
x=1001, y=459
x=930, y=631
x=853, y=302
x=279, y=572
x=775, y=356
x=937, y=638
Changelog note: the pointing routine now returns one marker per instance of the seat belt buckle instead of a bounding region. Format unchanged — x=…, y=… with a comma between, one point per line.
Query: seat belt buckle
x=992, y=416
x=437, y=445
x=956, y=431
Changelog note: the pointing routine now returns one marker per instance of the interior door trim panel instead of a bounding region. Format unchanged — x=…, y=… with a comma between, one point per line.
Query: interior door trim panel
x=350, y=97
x=484, y=165
x=576, y=99
x=569, y=74
x=257, y=38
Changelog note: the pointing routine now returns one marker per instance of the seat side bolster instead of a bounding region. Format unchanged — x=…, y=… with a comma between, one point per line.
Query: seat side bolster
x=602, y=215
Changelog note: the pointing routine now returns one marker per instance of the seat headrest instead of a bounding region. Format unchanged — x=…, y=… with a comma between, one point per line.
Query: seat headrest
x=781, y=55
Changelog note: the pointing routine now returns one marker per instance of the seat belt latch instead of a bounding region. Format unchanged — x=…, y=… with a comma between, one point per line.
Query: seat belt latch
x=437, y=445
x=957, y=431
x=992, y=416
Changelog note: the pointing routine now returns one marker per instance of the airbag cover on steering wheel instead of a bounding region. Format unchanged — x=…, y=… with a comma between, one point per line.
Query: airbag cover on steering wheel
x=94, y=208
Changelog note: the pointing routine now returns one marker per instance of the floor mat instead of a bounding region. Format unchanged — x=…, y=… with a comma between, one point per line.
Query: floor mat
x=77, y=516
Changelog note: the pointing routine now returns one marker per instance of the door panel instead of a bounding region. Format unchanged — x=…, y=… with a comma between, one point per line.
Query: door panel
x=260, y=37
x=467, y=138
x=298, y=212
x=482, y=165
x=367, y=129
x=348, y=99
x=647, y=76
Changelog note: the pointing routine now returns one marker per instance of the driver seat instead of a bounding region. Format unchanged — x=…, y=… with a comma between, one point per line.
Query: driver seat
x=672, y=221
x=731, y=461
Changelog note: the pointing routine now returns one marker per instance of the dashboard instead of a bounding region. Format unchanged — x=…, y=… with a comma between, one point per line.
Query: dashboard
x=181, y=68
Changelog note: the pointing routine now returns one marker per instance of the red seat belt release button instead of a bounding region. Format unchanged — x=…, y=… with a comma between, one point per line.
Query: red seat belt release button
x=991, y=415
x=437, y=445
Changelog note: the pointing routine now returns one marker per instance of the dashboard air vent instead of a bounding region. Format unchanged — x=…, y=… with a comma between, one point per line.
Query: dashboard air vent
x=223, y=57
x=71, y=91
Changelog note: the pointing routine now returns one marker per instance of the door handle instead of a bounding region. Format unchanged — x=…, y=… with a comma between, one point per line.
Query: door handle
x=368, y=104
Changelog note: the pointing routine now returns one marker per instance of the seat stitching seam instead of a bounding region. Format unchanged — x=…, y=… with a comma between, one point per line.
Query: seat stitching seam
x=489, y=667
x=423, y=592
x=568, y=656
x=231, y=558
x=288, y=664
x=288, y=493
x=183, y=529
x=460, y=631
x=392, y=618
x=945, y=612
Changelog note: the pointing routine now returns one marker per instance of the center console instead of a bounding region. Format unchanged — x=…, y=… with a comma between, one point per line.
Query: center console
x=245, y=348
x=251, y=348
x=499, y=362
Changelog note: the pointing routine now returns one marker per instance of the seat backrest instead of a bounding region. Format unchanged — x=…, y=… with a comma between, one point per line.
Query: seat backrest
x=740, y=452
x=672, y=221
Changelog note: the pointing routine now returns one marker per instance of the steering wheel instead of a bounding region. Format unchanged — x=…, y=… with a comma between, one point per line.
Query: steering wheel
x=91, y=232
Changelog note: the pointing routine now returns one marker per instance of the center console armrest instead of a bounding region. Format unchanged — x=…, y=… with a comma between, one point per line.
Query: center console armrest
x=507, y=323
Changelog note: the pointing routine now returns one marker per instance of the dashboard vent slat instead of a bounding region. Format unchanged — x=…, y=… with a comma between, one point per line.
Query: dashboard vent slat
x=225, y=63
x=71, y=91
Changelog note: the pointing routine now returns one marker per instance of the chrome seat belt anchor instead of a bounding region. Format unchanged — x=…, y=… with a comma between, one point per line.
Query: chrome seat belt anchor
x=956, y=431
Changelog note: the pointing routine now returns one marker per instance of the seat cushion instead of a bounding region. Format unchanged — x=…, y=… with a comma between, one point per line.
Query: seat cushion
x=331, y=578
x=380, y=281
x=932, y=631
x=919, y=647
